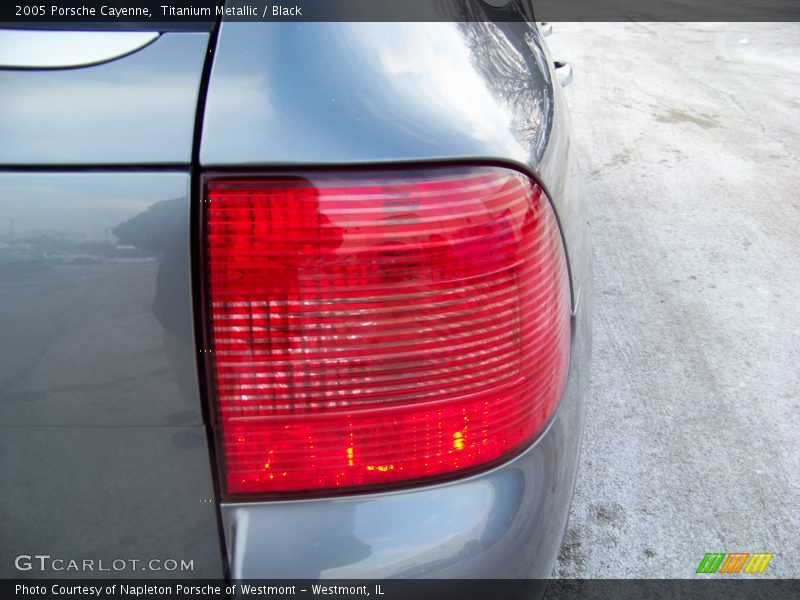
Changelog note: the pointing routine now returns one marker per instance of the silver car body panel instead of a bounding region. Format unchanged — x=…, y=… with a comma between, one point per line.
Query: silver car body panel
x=103, y=449
x=137, y=109
x=316, y=93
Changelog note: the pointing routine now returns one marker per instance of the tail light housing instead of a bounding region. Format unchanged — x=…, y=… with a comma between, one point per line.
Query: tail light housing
x=379, y=328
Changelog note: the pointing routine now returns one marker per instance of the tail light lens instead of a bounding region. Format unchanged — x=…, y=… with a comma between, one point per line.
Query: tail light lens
x=381, y=327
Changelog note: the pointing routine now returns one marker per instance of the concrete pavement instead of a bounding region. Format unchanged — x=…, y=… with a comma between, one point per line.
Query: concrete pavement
x=689, y=136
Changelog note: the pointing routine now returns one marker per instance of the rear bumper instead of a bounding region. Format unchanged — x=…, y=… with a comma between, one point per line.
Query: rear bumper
x=504, y=523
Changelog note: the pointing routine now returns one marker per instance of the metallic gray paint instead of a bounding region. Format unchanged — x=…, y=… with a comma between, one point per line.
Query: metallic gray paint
x=558, y=171
x=287, y=93
x=137, y=109
x=103, y=451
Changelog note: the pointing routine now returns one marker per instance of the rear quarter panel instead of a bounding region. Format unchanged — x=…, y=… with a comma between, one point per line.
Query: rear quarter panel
x=294, y=95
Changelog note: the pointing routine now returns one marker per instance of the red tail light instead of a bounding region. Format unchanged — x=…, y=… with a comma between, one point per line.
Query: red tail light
x=380, y=327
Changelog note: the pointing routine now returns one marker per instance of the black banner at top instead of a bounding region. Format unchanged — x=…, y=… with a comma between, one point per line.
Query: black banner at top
x=169, y=14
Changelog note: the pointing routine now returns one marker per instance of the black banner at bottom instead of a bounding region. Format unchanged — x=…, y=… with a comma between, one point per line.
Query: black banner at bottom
x=398, y=589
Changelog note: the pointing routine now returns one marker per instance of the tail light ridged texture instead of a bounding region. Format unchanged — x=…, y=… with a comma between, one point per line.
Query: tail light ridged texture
x=370, y=328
